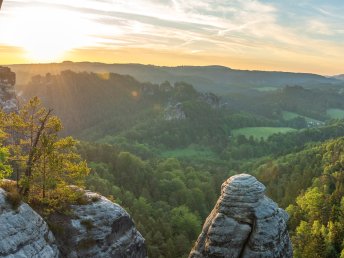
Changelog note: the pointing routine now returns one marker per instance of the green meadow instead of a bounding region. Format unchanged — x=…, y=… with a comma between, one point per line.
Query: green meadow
x=335, y=113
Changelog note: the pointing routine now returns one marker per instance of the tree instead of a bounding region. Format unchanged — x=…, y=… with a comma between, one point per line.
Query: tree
x=5, y=170
x=58, y=165
x=185, y=221
x=50, y=164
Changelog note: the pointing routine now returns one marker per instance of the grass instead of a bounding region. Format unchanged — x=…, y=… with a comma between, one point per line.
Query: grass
x=12, y=194
x=189, y=152
x=261, y=132
x=335, y=113
x=291, y=115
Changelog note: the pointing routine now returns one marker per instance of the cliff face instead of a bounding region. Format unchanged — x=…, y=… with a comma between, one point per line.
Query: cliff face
x=174, y=112
x=98, y=228
x=23, y=233
x=244, y=223
x=8, y=99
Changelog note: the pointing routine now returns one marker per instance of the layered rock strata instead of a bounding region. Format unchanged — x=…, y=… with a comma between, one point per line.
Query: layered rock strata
x=244, y=223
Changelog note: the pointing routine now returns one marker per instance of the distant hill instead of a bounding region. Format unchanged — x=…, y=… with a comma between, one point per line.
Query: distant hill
x=339, y=77
x=110, y=104
x=216, y=79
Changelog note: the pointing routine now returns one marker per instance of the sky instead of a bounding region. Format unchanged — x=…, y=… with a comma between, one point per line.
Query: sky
x=294, y=35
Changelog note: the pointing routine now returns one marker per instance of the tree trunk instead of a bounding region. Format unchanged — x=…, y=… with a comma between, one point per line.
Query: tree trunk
x=28, y=171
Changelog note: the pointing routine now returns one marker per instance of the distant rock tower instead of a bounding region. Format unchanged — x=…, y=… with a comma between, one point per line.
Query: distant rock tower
x=8, y=98
x=244, y=224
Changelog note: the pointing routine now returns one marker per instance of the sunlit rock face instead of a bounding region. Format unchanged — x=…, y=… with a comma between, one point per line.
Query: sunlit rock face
x=244, y=223
x=99, y=228
x=23, y=233
x=8, y=99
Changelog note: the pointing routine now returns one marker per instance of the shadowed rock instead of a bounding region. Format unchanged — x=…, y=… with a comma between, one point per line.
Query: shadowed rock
x=23, y=233
x=8, y=98
x=244, y=223
x=98, y=228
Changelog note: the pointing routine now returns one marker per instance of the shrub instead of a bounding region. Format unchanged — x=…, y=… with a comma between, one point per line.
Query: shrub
x=12, y=195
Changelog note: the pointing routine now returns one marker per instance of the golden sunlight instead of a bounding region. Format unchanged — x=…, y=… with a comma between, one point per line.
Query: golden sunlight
x=46, y=34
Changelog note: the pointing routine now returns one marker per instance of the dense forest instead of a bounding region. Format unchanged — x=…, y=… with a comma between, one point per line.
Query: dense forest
x=163, y=150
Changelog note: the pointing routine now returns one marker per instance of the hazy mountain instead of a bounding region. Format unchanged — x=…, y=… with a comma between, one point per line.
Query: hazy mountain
x=339, y=77
x=217, y=79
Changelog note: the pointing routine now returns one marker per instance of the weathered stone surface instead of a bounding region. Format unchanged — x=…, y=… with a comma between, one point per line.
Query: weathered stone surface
x=23, y=233
x=174, y=112
x=244, y=223
x=8, y=99
x=99, y=229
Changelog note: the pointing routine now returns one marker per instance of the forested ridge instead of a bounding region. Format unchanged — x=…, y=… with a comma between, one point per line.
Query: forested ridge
x=163, y=150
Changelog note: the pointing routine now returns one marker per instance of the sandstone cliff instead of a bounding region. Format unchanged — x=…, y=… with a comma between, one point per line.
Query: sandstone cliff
x=98, y=228
x=23, y=233
x=8, y=99
x=244, y=223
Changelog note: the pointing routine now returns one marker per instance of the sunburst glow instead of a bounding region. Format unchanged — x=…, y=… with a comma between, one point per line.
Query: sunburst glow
x=46, y=34
x=305, y=36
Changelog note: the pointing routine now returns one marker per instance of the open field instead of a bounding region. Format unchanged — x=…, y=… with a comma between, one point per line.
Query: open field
x=261, y=132
x=291, y=115
x=335, y=113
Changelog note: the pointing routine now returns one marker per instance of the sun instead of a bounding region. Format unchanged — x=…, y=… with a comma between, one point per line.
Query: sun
x=46, y=34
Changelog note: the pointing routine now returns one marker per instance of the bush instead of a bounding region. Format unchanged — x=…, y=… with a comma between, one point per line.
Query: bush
x=12, y=195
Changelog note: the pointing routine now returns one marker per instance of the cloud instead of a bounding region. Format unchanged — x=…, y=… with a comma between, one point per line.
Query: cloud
x=274, y=30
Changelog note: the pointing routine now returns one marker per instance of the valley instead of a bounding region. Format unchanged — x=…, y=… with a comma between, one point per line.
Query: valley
x=162, y=150
x=171, y=129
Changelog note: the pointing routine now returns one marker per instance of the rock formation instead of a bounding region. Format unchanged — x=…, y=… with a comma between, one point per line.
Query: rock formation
x=174, y=112
x=23, y=233
x=99, y=228
x=244, y=223
x=8, y=99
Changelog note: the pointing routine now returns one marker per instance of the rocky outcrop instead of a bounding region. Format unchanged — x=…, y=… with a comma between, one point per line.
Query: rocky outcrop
x=174, y=112
x=244, y=223
x=23, y=233
x=98, y=228
x=8, y=99
x=212, y=100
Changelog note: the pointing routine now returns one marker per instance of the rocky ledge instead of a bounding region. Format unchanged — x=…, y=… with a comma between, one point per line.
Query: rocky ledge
x=23, y=232
x=244, y=223
x=96, y=228
x=99, y=228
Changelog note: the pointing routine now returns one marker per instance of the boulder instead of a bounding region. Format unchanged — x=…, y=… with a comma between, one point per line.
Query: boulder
x=23, y=233
x=98, y=228
x=244, y=223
